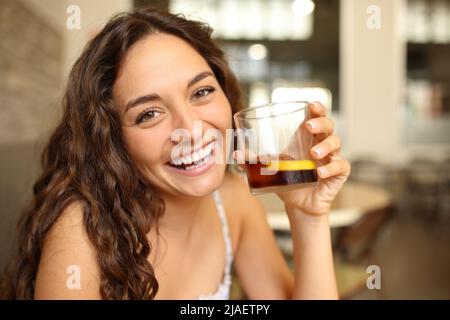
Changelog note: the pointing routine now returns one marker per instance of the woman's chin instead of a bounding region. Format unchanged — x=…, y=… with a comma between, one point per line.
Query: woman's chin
x=200, y=185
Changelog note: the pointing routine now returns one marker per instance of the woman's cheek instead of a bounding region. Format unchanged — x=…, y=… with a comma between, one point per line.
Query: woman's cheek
x=219, y=114
x=144, y=147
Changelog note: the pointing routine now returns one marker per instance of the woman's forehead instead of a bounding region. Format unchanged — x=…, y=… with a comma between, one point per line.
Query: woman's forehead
x=162, y=52
x=157, y=62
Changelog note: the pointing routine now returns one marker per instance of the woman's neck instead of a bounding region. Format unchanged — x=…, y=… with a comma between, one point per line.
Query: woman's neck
x=182, y=213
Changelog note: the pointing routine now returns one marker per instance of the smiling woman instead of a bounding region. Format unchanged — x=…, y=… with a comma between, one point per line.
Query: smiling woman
x=139, y=220
x=105, y=167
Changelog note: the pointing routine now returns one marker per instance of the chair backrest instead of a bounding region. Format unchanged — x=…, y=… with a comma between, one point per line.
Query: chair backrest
x=444, y=173
x=424, y=172
x=356, y=241
x=371, y=171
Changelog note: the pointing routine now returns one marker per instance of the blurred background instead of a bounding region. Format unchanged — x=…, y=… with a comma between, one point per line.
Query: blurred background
x=381, y=67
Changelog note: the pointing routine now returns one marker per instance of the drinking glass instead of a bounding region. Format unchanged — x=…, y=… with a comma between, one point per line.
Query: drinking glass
x=275, y=146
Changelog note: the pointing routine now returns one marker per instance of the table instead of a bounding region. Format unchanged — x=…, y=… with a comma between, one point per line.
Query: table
x=353, y=201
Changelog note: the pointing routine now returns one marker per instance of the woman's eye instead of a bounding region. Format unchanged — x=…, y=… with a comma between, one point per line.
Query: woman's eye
x=147, y=115
x=203, y=92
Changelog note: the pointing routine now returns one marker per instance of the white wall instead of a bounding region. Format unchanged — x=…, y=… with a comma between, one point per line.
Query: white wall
x=51, y=10
x=94, y=15
x=373, y=75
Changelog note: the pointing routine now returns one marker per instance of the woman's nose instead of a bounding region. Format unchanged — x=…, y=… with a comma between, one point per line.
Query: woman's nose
x=188, y=126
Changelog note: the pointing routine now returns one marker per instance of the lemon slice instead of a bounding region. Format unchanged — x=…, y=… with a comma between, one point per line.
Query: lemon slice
x=291, y=165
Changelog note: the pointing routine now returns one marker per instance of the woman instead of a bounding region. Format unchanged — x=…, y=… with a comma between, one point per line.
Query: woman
x=114, y=207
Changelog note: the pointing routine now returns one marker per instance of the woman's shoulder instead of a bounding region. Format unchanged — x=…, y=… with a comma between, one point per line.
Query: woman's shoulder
x=237, y=195
x=68, y=225
x=68, y=266
x=234, y=186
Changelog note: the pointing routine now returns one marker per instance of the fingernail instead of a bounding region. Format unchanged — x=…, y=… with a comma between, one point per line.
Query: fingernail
x=237, y=155
x=310, y=124
x=322, y=171
x=317, y=152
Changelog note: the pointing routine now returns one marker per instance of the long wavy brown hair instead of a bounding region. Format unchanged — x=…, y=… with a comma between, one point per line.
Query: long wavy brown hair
x=86, y=161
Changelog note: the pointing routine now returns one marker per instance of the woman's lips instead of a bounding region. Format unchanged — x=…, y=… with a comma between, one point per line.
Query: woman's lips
x=195, y=156
x=196, y=169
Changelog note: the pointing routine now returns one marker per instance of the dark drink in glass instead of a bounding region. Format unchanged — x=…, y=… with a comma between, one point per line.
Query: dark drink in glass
x=283, y=171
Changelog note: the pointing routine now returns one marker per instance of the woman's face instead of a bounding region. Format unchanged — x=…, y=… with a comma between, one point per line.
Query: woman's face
x=169, y=97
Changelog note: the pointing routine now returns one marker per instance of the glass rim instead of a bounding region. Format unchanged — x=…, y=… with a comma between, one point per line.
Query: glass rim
x=242, y=112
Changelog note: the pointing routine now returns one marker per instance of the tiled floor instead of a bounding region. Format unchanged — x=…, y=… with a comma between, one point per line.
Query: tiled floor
x=414, y=256
x=413, y=253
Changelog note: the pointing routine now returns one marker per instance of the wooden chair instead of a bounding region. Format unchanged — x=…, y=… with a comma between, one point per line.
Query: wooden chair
x=353, y=248
x=354, y=251
x=423, y=186
x=370, y=171
x=444, y=191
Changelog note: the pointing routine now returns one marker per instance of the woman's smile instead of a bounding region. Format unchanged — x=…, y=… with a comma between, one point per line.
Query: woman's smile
x=174, y=100
x=196, y=163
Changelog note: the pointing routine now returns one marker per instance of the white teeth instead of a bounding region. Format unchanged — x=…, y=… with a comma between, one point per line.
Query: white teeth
x=187, y=160
x=208, y=148
x=195, y=156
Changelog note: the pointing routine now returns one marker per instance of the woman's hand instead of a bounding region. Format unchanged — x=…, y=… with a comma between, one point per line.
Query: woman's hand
x=332, y=170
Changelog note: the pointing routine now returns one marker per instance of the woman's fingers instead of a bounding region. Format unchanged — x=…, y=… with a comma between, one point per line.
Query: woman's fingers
x=320, y=126
x=338, y=167
x=330, y=145
x=239, y=156
x=316, y=109
x=243, y=156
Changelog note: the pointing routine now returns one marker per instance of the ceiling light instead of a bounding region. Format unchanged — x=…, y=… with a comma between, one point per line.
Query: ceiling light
x=303, y=8
x=257, y=51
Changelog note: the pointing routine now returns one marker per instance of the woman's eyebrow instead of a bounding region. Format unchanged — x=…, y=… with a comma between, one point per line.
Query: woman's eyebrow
x=199, y=77
x=141, y=100
x=153, y=96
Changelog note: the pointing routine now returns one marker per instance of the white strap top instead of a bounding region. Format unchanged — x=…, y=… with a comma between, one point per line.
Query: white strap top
x=223, y=290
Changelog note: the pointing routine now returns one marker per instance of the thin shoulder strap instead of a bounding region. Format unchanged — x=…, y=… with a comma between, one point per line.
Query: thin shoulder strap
x=225, y=231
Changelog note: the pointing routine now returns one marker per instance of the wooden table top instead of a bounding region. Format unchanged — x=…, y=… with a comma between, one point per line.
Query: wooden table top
x=352, y=202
